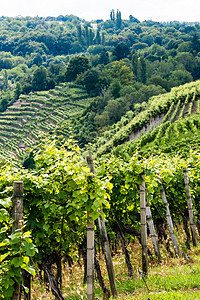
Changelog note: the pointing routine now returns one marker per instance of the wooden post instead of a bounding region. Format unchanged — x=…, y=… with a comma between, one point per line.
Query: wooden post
x=143, y=226
x=90, y=245
x=17, y=215
x=152, y=231
x=107, y=253
x=90, y=258
x=189, y=204
x=105, y=241
x=169, y=221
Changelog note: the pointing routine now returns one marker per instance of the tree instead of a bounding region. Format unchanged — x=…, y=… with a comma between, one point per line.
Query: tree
x=76, y=66
x=115, y=108
x=133, y=19
x=36, y=59
x=146, y=92
x=91, y=36
x=91, y=81
x=187, y=60
x=79, y=34
x=5, y=79
x=135, y=65
x=112, y=15
x=4, y=100
x=102, y=120
x=118, y=20
x=104, y=57
x=157, y=80
x=17, y=91
x=180, y=77
x=103, y=39
x=98, y=38
x=87, y=35
x=121, y=51
x=119, y=70
x=115, y=88
x=94, y=81
x=142, y=70
x=39, y=81
x=185, y=47
x=196, y=43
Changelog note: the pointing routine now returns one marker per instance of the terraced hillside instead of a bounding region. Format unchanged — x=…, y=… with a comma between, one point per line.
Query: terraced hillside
x=34, y=114
x=159, y=117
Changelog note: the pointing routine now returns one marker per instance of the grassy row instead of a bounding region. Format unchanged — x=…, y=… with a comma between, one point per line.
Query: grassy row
x=192, y=104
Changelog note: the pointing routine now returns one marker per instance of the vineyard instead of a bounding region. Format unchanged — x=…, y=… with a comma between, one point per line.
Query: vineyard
x=158, y=122
x=99, y=158
x=35, y=114
x=145, y=179
x=60, y=191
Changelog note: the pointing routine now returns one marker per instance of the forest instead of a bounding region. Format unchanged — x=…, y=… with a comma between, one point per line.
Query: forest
x=99, y=122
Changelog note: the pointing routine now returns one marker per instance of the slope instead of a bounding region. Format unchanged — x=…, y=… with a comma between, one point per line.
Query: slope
x=32, y=115
x=150, y=124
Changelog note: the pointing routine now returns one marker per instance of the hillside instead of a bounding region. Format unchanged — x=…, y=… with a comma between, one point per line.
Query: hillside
x=55, y=69
x=168, y=118
x=32, y=115
x=165, y=120
x=127, y=92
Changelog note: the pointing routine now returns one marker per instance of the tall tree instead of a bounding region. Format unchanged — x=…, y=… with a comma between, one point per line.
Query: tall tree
x=115, y=88
x=98, y=38
x=91, y=37
x=79, y=34
x=5, y=80
x=196, y=43
x=4, y=99
x=118, y=20
x=112, y=15
x=142, y=70
x=17, y=91
x=104, y=57
x=39, y=81
x=103, y=39
x=87, y=35
x=135, y=65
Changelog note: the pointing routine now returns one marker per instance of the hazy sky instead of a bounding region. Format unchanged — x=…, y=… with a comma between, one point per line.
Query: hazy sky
x=156, y=10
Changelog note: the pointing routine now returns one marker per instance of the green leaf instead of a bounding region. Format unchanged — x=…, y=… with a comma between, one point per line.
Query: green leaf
x=7, y=202
x=94, y=215
x=9, y=292
x=46, y=227
x=3, y=256
x=29, y=269
x=17, y=261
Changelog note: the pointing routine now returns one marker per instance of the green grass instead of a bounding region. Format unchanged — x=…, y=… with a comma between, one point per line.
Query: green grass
x=173, y=278
x=164, y=282
x=179, y=281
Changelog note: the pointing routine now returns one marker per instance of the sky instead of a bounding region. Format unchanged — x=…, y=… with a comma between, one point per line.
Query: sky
x=156, y=10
